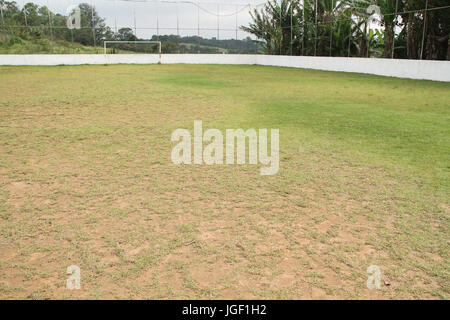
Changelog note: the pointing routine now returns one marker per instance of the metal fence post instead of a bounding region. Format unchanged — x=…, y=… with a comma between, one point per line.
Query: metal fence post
x=331, y=26
x=178, y=20
x=292, y=29
x=393, y=34
x=115, y=17
x=157, y=20
x=1, y=13
x=237, y=12
x=218, y=21
x=281, y=28
x=424, y=29
x=316, y=30
x=49, y=20
x=93, y=26
x=350, y=34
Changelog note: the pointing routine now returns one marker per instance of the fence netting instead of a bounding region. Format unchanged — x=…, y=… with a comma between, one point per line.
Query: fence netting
x=349, y=28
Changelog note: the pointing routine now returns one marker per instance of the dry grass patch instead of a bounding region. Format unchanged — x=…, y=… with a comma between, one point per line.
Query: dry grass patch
x=86, y=179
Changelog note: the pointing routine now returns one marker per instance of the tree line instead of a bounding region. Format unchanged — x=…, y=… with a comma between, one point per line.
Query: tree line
x=33, y=22
x=38, y=22
x=285, y=27
x=347, y=28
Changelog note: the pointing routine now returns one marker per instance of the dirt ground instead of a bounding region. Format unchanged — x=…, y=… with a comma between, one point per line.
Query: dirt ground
x=86, y=179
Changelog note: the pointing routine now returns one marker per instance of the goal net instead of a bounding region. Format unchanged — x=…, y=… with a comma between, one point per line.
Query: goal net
x=140, y=46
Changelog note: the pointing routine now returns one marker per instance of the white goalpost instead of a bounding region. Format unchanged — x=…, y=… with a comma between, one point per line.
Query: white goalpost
x=105, y=43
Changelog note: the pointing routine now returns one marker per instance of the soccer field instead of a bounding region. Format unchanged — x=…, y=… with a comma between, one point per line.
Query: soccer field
x=86, y=179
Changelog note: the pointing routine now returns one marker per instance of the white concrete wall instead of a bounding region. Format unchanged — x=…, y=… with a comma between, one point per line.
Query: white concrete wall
x=247, y=59
x=401, y=68
x=74, y=59
x=413, y=69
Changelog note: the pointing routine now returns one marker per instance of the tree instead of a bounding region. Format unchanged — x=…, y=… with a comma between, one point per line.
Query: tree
x=427, y=32
x=125, y=34
x=92, y=26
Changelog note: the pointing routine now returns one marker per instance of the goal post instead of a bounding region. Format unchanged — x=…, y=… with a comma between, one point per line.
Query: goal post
x=105, y=44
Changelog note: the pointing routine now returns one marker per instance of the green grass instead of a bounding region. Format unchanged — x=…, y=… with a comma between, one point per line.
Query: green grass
x=18, y=45
x=86, y=179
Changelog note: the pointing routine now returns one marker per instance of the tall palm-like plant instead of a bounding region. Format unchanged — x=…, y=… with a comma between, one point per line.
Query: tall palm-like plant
x=329, y=12
x=389, y=20
x=274, y=24
x=345, y=28
x=262, y=29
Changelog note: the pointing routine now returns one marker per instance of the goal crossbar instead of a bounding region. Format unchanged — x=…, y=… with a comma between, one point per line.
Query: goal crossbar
x=142, y=41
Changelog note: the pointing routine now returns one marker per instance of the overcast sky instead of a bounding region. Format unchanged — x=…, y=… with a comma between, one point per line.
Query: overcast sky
x=121, y=13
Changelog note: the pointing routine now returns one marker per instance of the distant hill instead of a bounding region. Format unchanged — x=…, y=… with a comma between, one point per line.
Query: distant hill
x=195, y=44
x=10, y=44
x=26, y=30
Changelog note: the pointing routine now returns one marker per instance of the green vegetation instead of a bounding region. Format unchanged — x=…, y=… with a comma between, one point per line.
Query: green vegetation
x=195, y=44
x=287, y=27
x=18, y=45
x=344, y=28
x=32, y=22
x=27, y=30
x=86, y=179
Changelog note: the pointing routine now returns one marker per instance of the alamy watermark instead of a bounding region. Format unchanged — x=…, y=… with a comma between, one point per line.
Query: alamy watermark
x=74, y=281
x=74, y=17
x=374, y=280
x=213, y=152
